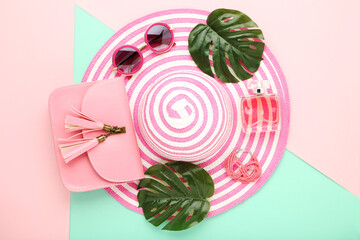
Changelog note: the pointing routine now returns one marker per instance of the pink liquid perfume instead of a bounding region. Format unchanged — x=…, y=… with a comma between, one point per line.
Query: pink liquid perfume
x=260, y=110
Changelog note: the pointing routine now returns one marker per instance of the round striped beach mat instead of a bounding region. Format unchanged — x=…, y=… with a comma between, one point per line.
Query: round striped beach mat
x=180, y=113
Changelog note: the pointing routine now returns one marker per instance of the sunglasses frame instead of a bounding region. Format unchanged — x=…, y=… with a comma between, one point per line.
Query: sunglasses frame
x=172, y=43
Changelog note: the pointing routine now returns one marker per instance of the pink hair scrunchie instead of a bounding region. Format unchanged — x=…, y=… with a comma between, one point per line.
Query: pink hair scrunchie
x=246, y=173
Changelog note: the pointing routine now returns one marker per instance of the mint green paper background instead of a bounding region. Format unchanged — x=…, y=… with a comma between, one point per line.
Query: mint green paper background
x=297, y=202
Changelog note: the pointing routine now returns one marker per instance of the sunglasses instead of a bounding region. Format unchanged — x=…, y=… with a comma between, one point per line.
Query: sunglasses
x=128, y=59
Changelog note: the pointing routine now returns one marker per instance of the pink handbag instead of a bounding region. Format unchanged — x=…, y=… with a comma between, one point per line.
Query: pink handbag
x=112, y=162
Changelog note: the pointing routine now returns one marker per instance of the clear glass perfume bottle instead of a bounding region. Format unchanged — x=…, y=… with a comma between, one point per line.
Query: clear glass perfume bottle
x=260, y=110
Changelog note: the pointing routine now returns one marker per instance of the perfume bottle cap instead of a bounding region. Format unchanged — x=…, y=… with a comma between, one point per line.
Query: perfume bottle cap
x=258, y=86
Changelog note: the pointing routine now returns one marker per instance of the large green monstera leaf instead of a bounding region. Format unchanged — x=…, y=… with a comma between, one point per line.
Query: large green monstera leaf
x=231, y=35
x=177, y=190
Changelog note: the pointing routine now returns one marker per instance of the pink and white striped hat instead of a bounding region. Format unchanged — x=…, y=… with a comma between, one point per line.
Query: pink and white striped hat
x=180, y=113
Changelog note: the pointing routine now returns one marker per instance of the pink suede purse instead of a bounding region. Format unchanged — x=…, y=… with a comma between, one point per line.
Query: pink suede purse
x=111, y=162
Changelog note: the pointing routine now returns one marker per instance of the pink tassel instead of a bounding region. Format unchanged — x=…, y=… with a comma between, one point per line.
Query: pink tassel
x=82, y=122
x=76, y=147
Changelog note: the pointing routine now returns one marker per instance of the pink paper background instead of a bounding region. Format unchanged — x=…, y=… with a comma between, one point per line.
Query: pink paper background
x=36, y=56
x=314, y=41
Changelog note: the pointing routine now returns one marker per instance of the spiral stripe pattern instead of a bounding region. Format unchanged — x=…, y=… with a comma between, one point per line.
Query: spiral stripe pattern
x=185, y=116
x=179, y=113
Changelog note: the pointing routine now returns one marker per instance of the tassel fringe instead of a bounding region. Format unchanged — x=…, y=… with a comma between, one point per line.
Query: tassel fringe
x=81, y=122
x=74, y=147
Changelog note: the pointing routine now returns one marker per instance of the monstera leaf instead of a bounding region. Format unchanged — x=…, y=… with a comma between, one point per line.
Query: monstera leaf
x=231, y=35
x=177, y=190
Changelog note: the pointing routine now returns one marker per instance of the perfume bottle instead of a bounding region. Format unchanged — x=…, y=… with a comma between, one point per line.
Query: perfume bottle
x=259, y=110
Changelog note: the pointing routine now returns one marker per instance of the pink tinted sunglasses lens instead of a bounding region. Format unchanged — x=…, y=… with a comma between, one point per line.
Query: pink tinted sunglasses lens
x=159, y=37
x=127, y=60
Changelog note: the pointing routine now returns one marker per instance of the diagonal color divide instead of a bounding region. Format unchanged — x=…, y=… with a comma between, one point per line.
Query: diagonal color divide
x=297, y=201
x=324, y=128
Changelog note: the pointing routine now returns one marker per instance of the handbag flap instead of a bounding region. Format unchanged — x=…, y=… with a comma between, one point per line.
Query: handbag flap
x=79, y=175
x=117, y=159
